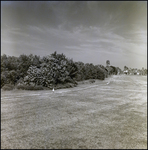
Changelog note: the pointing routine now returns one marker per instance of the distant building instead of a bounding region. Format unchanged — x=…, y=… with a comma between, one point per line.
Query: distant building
x=125, y=72
x=135, y=71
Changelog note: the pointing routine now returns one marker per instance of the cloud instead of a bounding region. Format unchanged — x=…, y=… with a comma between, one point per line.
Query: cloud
x=71, y=14
x=92, y=29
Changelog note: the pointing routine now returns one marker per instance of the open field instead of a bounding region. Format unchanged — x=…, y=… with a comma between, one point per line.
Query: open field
x=96, y=115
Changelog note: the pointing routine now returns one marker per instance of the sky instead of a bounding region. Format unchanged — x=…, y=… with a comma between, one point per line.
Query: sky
x=86, y=31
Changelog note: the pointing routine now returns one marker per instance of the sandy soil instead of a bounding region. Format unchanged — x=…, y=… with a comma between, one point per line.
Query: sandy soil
x=96, y=115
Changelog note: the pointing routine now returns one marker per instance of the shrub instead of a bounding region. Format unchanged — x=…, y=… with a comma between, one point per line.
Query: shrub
x=69, y=85
x=53, y=70
x=3, y=80
x=8, y=87
x=29, y=87
x=21, y=86
x=65, y=85
x=38, y=87
x=91, y=80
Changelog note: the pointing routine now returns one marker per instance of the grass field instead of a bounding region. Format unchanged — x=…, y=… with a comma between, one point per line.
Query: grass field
x=96, y=115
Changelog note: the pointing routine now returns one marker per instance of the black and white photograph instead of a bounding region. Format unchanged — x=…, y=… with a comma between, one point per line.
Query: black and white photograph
x=73, y=74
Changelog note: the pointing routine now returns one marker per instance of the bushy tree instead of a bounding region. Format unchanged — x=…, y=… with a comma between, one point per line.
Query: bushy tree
x=80, y=76
x=50, y=70
x=8, y=63
x=109, y=70
x=24, y=64
x=53, y=70
x=125, y=68
x=89, y=71
x=8, y=77
x=107, y=63
x=3, y=80
x=12, y=77
x=114, y=70
x=34, y=75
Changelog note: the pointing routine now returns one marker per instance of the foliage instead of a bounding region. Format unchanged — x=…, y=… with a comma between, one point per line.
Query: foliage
x=12, y=77
x=109, y=70
x=89, y=71
x=29, y=87
x=81, y=71
x=8, y=63
x=15, y=68
x=107, y=63
x=114, y=70
x=3, y=80
x=119, y=71
x=55, y=70
x=91, y=80
x=8, y=87
x=125, y=68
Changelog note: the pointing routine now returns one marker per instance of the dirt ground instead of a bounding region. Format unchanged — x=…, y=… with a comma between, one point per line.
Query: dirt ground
x=96, y=115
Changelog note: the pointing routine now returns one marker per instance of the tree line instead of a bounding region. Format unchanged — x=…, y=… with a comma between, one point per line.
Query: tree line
x=134, y=71
x=49, y=70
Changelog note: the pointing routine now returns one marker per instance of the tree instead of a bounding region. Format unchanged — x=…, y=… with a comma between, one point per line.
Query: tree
x=13, y=77
x=114, y=71
x=34, y=75
x=107, y=63
x=24, y=63
x=80, y=76
x=57, y=69
x=3, y=80
x=3, y=62
x=125, y=68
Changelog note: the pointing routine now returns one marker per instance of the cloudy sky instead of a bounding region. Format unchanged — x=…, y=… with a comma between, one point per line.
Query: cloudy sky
x=87, y=31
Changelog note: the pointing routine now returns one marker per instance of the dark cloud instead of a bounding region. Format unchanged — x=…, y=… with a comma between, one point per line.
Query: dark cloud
x=74, y=13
